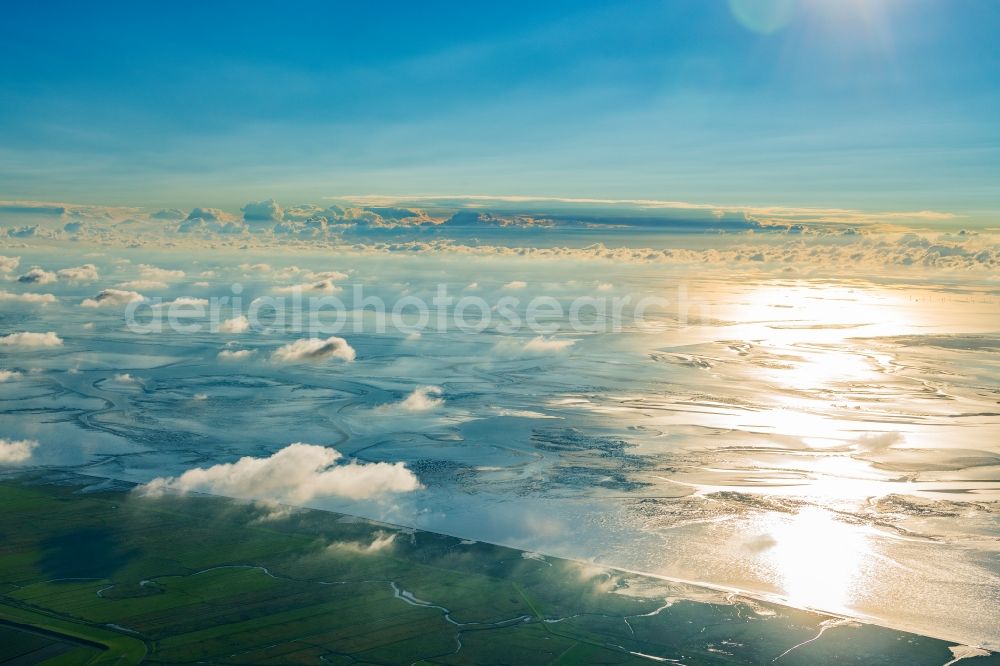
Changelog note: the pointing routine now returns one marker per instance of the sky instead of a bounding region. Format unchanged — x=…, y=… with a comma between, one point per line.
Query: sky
x=871, y=104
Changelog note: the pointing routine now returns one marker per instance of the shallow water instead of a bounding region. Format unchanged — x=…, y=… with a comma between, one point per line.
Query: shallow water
x=833, y=443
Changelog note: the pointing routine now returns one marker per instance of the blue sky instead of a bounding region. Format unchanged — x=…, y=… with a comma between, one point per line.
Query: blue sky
x=873, y=104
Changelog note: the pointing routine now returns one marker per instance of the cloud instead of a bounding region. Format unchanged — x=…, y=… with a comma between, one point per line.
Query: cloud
x=236, y=354
x=314, y=349
x=84, y=273
x=618, y=207
x=183, y=300
x=144, y=284
x=110, y=297
x=37, y=276
x=296, y=474
x=23, y=232
x=323, y=286
x=380, y=541
x=877, y=442
x=238, y=324
x=13, y=452
x=9, y=264
x=28, y=339
x=8, y=375
x=41, y=299
x=537, y=346
x=149, y=272
x=516, y=284
x=423, y=399
x=209, y=215
x=326, y=275
x=543, y=345
x=262, y=211
x=167, y=214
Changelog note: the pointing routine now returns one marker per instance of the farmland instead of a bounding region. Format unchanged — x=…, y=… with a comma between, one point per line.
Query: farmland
x=107, y=576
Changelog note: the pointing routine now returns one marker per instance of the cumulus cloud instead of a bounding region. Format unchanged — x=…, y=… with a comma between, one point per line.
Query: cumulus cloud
x=184, y=306
x=423, y=399
x=516, y=284
x=125, y=378
x=296, y=474
x=537, y=346
x=381, y=541
x=110, y=297
x=323, y=286
x=209, y=215
x=238, y=324
x=8, y=375
x=84, y=273
x=236, y=354
x=149, y=272
x=314, y=349
x=543, y=345
x=9, y=264
x=29, y=339
x=167, y=214
x=37, y=276
x=880, y=441
x=144, y=284
x=14, y=452
x=40, y=299
x=262, y=211
x=326, y=275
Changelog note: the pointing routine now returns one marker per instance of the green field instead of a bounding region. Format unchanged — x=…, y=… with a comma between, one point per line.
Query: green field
x=113, y=578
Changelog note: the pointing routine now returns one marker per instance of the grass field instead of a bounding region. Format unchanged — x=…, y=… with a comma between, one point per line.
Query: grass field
x=114, y=578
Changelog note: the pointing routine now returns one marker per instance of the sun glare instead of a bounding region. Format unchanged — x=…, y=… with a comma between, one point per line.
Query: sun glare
x=816, y=560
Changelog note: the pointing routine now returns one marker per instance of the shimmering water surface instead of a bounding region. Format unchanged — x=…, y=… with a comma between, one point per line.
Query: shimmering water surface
x=830, y=441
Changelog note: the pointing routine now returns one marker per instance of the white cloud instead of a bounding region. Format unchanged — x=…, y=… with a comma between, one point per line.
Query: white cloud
x=314, y=349
x=380, y=541
x=236, y=354
x=13, y=452
x=238, y=324
x=184, y=300
x=144, y=284
x=28, y=339
x=84, y=273
x=543, y=345
x=125, y=378
x=323, y=286
x=320, y=276
x=296, y=474
x=109, y=297
x=516, y=284
x=537, y=346
x=7, y=375
x=262, y=211
x=423, y=399
x=162, y=274
x=209, y=215
x=9, y=264
x=37, y=276
x=41, y=299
